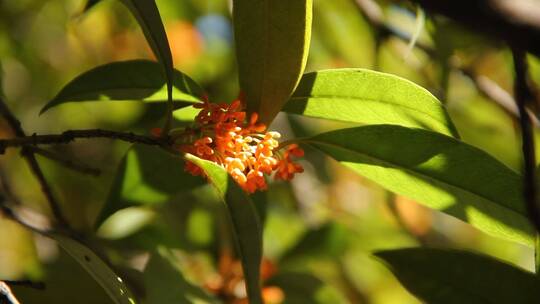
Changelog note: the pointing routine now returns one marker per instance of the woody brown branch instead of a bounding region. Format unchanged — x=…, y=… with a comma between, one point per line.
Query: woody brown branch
x=72, y=135
x=516, y=22
x=15, y=125
x=523, y=95
x=485, y=86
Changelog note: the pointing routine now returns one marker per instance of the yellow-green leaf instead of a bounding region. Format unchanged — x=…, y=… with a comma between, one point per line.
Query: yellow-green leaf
x=272, y=42
x=438, y=171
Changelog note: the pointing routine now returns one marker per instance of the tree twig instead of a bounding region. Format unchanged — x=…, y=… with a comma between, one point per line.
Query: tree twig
x=517, y=22
x=34, y=165
x=6, y=295
x=487, y=87
x=71, y=135
x=26, y=283
x=68, y=163
x=523, y=95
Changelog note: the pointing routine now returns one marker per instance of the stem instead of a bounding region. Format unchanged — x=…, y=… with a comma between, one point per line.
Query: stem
x=537, y=254
x=68, y=163
x=71, y=135
x=33, y=164
x=170, y=109
x=523, y=94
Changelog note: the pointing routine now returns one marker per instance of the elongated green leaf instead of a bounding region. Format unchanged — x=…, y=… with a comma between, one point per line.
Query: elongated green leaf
x=306, y=288
x=245, y=221
x=147, y=14
x=147, y=176
x=272, y=42
x=437, y=171
x=454, y=276
x=330, y=240
x=369, y=97
x=127, y=80
x=165, y=284
x=89, y=4
x=103, y=274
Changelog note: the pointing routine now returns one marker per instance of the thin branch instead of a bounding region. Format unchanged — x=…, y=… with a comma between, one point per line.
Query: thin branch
x=491, y=90
x=34, y=165
x=68, y=163
x=373, y=13
x=523, y=96
x=71, y=135
x=6, y=295
x=487, y=87
x=26, y=283
x=517, y=22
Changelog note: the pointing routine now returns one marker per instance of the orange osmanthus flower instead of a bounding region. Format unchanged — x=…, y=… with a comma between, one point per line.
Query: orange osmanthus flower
x=223, y=134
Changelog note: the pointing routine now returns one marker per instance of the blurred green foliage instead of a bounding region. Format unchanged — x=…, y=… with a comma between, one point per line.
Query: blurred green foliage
x=319, y=231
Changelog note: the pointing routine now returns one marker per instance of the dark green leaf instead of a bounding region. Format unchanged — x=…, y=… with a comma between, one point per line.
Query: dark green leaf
x=99, y=270
x=272, y=42
x=453, y=276
x=165, y=284
x=245, y=222
x=369, y=97
x=306, y=288
x=89, y=4
x=127, y=80
x=330, y=240
x=437, y=171
x=147, y=176
x=147, y=14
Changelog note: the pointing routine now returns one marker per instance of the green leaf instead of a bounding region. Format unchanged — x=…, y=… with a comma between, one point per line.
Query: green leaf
x=245, y=222
x=99, y=270
x=272, y=42
x=454, y=276
x=147, y=14
x=329, y=240
x=147, y=176
x=369, y=97
x=89, y=4
x=127, y=80
x=306, y=288
x=165, y=284
x=438, y=171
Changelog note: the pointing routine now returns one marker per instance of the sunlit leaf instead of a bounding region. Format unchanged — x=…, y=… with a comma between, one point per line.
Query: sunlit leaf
x=437, y=171
x=165, y=284
x=272, y=41
x=147, y=176
x=369, y=97
x=127, y=80
x=245, y=222
x=125, y=222
x=454, y=276
x=99, y=270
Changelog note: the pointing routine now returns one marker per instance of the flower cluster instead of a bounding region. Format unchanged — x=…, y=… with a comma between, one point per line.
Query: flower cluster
x=224, y=135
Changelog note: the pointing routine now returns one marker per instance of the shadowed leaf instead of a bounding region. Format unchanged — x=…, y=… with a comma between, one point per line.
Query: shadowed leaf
x=165, y=284
x=245, y=222
x=272, y=42
x=99, y=270
x=453, y=276
x=147, y=176
x=437, y=171
x=127, y=80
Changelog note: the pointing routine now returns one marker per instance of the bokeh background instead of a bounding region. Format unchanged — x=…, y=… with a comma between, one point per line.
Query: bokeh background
x=320, y=229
